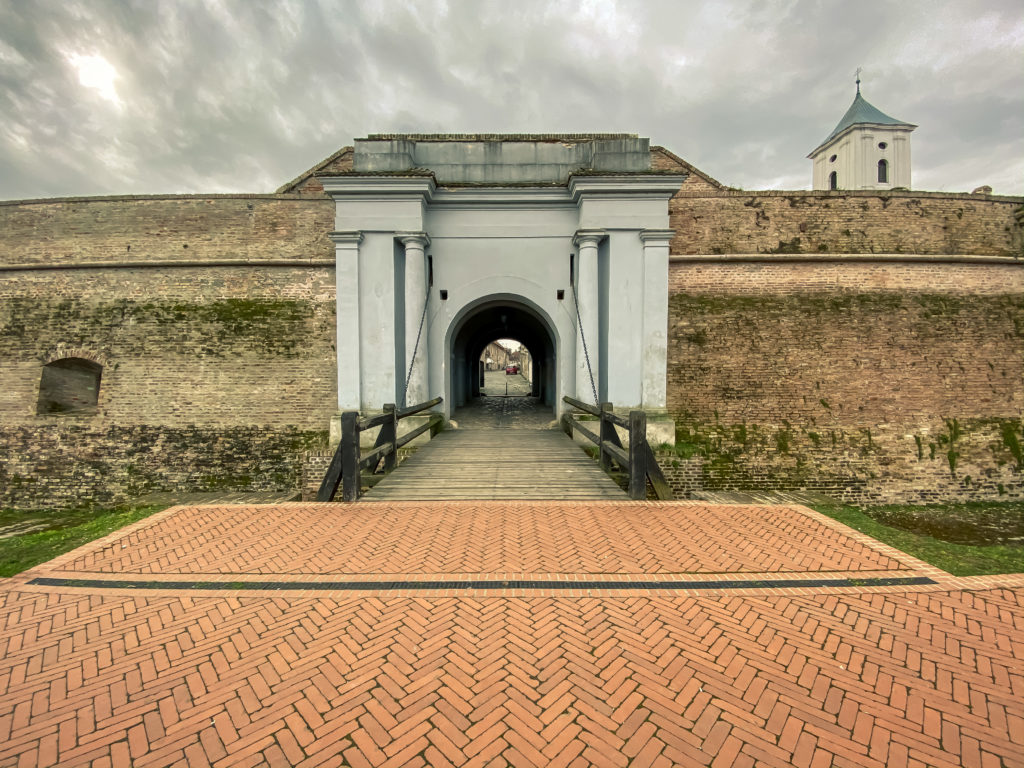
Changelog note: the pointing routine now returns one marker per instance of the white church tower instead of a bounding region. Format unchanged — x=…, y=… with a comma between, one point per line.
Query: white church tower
x=867, y=150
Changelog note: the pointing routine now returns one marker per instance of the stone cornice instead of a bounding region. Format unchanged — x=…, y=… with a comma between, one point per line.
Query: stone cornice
x=657, y=235
x=168, y=264
x=855, y=128
x=417, y=238
x=371, y=186
x=350, y=238
x=822, y=194
x=588, y=236
x=482, y=196
x=660, y=185
x=839, y=258
x=294, y=198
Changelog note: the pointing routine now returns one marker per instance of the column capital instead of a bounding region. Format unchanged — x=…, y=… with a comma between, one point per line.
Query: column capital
x=413, y=238
x=589, y=236
x=657, y=236
x=349, y=238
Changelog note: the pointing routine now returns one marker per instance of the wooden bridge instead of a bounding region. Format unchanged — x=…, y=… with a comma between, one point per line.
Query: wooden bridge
x=500, y=448
x=482, y=463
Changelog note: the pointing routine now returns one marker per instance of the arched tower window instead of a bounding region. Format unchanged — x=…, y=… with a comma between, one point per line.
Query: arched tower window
x=883, y=172
x=68, y=385
x=833, y=181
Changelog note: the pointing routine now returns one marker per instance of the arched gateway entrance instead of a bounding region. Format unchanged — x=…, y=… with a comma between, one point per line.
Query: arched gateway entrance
x=501, y=317
x=444, y=243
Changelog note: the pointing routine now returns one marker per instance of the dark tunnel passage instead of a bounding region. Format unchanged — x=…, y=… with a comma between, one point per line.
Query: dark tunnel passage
x=506, y=320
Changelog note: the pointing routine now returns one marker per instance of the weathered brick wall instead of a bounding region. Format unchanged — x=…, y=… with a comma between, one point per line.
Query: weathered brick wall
x=922, y=462
x=843, y=276
x=855, y=361
x=872, y=381
x=224, y=345
x=190, y=227
x=684, y=475
x=78, y=461
x=315, y=464
x=710, y=221
x=213, y=376
x=247, y=352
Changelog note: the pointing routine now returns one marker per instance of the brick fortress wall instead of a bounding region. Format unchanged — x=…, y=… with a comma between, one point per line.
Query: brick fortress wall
x=217, y=373
x=868, y=345
x=710, y=218
x=871, y=381
x=802, y=367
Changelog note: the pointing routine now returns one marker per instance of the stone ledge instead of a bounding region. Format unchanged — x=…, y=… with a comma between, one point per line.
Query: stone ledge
x=844, y=257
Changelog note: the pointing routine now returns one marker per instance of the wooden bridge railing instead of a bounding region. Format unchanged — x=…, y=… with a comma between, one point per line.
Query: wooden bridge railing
x=638, y=461
x=347, y=463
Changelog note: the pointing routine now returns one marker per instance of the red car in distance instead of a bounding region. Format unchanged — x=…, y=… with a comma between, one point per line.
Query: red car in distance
x=511, y=369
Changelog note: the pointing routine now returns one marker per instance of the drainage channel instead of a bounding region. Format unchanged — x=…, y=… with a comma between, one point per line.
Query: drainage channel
x=495, y=584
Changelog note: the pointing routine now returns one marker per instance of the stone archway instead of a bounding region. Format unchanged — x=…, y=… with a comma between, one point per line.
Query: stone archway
x=497, y=317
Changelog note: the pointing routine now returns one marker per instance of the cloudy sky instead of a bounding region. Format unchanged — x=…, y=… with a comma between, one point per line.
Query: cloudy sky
x=115, y=97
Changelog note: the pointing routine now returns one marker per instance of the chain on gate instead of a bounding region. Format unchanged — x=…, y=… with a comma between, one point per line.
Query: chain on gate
x=583, y=338
x=416, y=347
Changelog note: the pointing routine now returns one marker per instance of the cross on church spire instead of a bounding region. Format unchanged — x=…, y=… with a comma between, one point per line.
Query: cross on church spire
x=858, y=81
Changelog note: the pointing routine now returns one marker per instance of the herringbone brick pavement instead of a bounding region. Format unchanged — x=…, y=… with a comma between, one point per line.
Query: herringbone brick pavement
x=486, y=537
x=850, y=677
x=867, y=680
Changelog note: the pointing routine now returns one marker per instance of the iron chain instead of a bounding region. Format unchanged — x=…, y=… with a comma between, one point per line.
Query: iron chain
x=415, y=349
x=583, y=338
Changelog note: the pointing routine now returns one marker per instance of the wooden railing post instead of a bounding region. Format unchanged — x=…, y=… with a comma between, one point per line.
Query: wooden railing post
x=389, y=434
x=349, y=456
x=637, y=455
x=603, y=427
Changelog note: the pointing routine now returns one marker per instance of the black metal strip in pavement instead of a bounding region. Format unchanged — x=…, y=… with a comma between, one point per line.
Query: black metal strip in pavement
x=405, y=586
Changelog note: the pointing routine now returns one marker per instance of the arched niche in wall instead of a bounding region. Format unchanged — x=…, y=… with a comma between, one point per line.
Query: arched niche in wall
x=69, y=385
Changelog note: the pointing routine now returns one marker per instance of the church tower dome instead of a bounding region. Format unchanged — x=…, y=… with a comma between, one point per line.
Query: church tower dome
x=866, y=150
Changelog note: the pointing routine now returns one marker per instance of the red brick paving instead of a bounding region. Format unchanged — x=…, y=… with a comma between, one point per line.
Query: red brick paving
x=840, y=677
x=471, y=537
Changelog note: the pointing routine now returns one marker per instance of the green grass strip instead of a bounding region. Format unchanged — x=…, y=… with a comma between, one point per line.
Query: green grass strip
x=72, y=529
x=957, y=559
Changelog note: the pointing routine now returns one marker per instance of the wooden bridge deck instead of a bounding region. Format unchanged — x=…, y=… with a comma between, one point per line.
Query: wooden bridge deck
x=497, y=464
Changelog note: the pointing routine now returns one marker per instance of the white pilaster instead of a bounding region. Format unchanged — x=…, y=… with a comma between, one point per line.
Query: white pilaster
x=346, y=253
x=655, y=303
x=415, y=301
x=586, y=241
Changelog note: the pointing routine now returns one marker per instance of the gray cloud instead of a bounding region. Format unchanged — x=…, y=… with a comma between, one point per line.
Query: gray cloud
x=242, y=95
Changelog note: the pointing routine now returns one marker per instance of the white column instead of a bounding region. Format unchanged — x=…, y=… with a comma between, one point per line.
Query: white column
x=415, y=300
x=346, y=253
x=655, y=303
x=586, y=241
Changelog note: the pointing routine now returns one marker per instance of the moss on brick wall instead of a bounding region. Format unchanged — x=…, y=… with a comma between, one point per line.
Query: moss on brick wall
x=870, y=396
x=123, y=327
x=941, y=459
x=64, y=464
x=215, y=379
